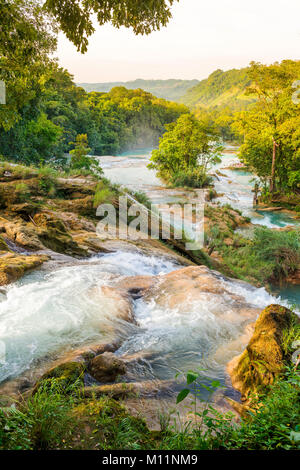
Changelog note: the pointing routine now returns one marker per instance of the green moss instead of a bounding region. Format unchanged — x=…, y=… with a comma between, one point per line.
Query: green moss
x=265, y=357
x=3, y=245
x=66, y=375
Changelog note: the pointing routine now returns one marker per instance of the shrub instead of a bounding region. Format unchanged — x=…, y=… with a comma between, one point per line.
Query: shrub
x=22, y=191
x=193, y=178
x=103, y=194
x=80, y=159
x=47, y=180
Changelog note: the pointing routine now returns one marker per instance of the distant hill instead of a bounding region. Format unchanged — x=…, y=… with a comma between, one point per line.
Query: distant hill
x=171, y=89
x=220, y=89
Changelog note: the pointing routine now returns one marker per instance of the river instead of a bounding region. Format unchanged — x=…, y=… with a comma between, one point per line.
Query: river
x=46, y=313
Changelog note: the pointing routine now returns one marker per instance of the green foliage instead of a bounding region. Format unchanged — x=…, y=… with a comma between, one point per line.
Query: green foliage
x=43, y=139
x=273, y=422
x=56, y=418
x=290, y=337
x=112, y=122
x=192, y=178
x=141, y=197
x=272, y=125
x=220, y=89
x=26, y=39
x=104, y=194
x=22, y=191
x=271, y=255
x=187, y=147
x=123, y=119
x=80, y=159
x=47, y=180
x=75, y=19
x=41, y=422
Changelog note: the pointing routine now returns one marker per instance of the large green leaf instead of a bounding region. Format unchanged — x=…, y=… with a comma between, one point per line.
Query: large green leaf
x=182, y=395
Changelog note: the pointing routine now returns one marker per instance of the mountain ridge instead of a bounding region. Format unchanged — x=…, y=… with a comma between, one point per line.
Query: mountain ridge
x=172, y=89
x=220, y=89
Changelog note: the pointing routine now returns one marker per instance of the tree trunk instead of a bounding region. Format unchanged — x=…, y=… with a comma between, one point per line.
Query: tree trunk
x=272, y=183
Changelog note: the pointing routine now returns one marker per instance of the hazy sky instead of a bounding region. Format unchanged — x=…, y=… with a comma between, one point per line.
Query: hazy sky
x=203, y=35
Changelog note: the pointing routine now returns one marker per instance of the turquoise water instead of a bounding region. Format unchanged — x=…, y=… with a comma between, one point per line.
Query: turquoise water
x=234, y=186
x=290, y=292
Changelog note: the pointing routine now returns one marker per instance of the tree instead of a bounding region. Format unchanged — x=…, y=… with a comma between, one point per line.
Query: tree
x=270, y=126
x=80, y=159
x=26, y=40
x=186, y=151
x=75, y=17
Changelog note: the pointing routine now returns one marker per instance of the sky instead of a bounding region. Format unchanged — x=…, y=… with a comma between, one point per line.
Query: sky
x=201, y=37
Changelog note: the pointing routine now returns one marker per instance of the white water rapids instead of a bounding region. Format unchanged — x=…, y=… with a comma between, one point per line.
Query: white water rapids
x=47, y=313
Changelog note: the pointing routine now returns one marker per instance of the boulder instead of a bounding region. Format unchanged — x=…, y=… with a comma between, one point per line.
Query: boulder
x=106, y=367
x=53, y=233
x=66, y=374
x=90, y=242
x=113, y=302
x=24, y=234
x=136, y=285
x=183, y=287
x=265, y=356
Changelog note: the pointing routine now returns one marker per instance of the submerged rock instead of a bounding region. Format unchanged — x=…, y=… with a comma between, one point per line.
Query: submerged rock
x=106, y=367
x=265, y=356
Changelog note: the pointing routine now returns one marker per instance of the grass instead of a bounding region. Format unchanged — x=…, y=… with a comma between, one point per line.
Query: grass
x=270, y=256
x=42, y=422
x=57, y=416
x=290, y=336
x=23, y=192
x=272, y=425
x=52, y=419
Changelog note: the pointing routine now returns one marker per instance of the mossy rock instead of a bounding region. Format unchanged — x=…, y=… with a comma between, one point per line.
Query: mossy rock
x=13, y=266
x=265, y=356
x=106, y=367
x=53, y=233
x=106, y=424
x=3, y=245
x=66, y=375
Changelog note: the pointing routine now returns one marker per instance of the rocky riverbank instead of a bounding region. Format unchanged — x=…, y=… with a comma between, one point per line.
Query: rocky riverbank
x=55, y=231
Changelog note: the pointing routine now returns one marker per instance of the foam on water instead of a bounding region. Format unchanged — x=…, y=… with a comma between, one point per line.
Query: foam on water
x=47, y=313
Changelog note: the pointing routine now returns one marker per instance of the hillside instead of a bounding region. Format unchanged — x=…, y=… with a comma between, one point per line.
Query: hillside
x=168, y=89
x=220, y=89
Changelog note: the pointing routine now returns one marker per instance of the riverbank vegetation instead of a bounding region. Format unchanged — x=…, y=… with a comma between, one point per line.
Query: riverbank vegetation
x=50, y=121
x=257, y=108
x=45, y=110
x=268, y=256
x=270, y=127
x=61, y=418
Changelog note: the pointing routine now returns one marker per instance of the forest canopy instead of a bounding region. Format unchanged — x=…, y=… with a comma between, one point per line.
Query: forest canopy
x=59, y=110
